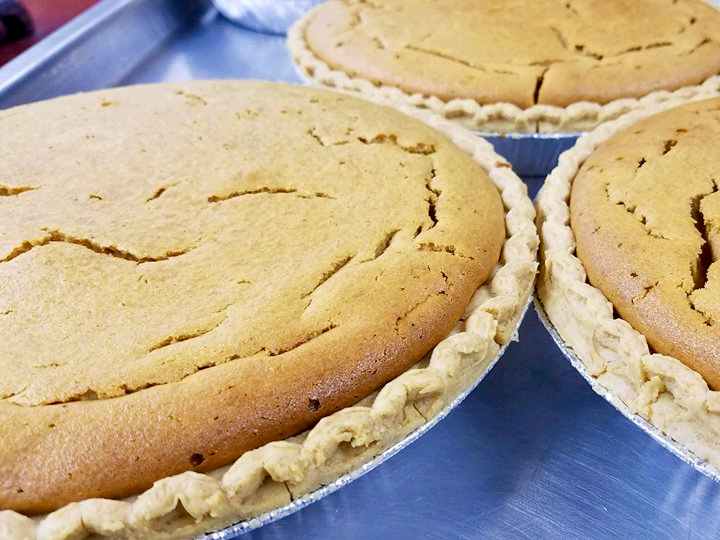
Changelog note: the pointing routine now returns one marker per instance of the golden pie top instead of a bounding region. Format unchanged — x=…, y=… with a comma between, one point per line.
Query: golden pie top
x=541, y=52
x=189, y=271
x=645, y=210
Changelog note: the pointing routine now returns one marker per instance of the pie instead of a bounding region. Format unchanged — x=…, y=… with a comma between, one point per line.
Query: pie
x=521, y=66
x=629, y=276
x=193, y=271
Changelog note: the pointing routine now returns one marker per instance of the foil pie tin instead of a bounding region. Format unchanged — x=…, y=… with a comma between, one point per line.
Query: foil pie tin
x=673, y=446
x=266, y=16
x=243, y=527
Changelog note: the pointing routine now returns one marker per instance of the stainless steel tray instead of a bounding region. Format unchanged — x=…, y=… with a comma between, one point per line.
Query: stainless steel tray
x=96, y=49
x=533, y=454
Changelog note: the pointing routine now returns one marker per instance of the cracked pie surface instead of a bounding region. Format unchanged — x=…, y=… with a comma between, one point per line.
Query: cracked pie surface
x=645, y=211
x=644, y=220
x=190, y=271
x=520, y=66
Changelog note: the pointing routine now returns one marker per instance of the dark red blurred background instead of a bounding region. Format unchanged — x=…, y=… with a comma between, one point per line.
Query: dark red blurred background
x=47, y=15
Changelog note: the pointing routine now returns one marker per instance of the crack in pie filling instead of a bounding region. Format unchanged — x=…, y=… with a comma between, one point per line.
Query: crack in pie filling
x=527, y=61
x=192, y=271
x=643, y=227
x=645, y=211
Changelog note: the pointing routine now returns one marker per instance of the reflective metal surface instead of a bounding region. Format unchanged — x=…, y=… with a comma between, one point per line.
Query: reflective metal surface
x=270, y=16
x=533, y=452
x=676, y=448
x=531, y=154
x=95, y=49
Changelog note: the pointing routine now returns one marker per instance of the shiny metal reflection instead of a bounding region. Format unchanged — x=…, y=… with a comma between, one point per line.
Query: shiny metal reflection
x=673, y=446
x=268, y=16
x=531, y=154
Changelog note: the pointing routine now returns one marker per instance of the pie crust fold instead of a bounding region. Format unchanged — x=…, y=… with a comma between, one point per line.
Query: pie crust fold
x=661, y=389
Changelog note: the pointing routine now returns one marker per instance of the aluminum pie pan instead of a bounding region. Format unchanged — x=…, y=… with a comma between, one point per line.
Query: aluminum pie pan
x=265, y=16
x=670, y=444
x=256, y=522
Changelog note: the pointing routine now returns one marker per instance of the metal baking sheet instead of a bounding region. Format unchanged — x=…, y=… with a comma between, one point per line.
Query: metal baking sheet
x=533, y=453
x=673, y=446
x=531, y=154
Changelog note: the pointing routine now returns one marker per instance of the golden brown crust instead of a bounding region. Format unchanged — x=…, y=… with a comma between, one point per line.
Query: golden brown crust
x=641, y=214
x=571, y=75
x=280, y=338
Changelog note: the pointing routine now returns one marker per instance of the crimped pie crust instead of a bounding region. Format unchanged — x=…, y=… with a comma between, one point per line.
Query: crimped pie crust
x=282, y=255
x=659, y=388
x=272, y=275
x=565, y=81
x=265, y=478
x=644, y=212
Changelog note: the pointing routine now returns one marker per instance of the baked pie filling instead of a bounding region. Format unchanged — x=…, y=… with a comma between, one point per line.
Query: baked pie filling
x=629, y=225
x=191, y=271
x=522, y=66
x=645, y=212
